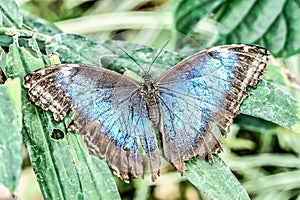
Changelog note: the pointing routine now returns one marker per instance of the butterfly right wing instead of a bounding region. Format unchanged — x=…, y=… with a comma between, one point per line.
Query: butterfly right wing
x=107, y=108
x=203, y=92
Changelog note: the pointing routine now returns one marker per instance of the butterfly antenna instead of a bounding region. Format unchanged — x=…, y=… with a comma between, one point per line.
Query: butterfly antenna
x=133, y=59
x=157, y=56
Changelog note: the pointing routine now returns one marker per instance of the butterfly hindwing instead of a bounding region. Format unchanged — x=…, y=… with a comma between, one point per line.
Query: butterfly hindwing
x=107, y=108
x=203, y=91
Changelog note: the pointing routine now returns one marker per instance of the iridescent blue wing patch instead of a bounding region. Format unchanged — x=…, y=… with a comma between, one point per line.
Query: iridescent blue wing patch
x=108, y=109
x=203, y=91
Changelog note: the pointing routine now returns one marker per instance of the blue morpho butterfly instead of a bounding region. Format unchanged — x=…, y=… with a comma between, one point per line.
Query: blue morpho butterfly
x=117, y=113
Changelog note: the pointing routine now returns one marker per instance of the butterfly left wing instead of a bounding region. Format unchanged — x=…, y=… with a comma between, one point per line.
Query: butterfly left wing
x=203, y=91
x=107, y=108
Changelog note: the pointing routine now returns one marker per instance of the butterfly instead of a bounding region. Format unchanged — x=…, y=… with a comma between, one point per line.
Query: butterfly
x=119, y=116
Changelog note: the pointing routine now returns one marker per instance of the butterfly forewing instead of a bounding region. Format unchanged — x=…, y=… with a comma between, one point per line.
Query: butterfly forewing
x=108, y=109
x=204, y=90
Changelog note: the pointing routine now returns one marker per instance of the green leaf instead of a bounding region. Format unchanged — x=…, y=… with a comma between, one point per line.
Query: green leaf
x=188, y=13
x=255, y=18
x=268, y=23
x=276, y=75
x=270, y=103
x=10, y=134
x=76, y=49
x=272, y=24
x=9, y=14
x=143, y=55
x=215, y=180
x=63, y=168
x=24, y=37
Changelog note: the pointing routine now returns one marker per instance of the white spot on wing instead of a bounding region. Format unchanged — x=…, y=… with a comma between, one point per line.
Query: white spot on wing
x=70, y=66
x=66, y=73
x=48, y=96
x=224, y=53
x=246, y=48
x=43, y=72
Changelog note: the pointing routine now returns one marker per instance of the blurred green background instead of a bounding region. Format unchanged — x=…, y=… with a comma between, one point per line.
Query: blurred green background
x=263, y=156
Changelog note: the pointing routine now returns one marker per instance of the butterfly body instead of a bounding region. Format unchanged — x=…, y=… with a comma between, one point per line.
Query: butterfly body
x=149, y=92
x=117, y=114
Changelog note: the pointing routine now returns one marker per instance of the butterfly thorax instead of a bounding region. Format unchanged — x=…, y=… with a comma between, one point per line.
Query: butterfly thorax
x=149, y=93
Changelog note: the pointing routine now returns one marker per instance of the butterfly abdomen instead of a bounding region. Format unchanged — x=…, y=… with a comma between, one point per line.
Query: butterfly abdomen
x=153, y=114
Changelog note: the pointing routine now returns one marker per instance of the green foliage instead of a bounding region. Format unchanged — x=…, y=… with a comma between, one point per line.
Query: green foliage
x=285, y=112
x=10, y=132
x=63, y=167
x=273, y=24
x=215, y=181
x=9, y=17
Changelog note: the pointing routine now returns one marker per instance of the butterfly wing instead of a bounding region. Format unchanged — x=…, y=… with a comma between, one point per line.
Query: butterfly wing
x=108, y=109
x=204, y=91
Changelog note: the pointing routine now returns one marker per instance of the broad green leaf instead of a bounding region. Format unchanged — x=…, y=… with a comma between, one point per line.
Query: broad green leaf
x=108, y=54
x=276, y=75
x=254, y=124
x=188, y=13
x=249, y=19
x=63, y=168
x=144, y=57
x=282, y=37
x=76, y=49
x=215, y=180
x=9, y=14
x=272, y=24
x=10, y=134
x=272, y=104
